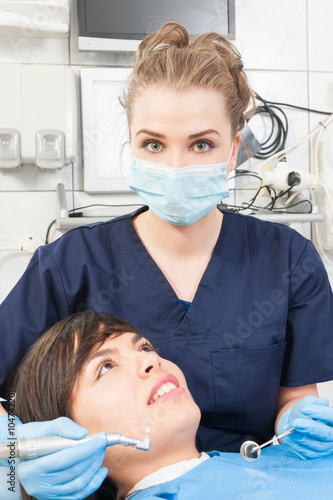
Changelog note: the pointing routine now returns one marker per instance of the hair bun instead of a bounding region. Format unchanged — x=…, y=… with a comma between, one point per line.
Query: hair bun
x=171, y=34
x=170, y=58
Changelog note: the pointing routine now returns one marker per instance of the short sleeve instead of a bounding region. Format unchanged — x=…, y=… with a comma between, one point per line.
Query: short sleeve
x=308, y=357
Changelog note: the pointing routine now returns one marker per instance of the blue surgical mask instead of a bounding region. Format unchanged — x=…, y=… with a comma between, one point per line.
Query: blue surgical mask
x=179, y=196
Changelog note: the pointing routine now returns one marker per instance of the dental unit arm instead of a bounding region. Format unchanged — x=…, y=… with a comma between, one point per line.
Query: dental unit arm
x=29, y=448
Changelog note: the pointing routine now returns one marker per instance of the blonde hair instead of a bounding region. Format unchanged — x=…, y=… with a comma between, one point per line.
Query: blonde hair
x=170, y=59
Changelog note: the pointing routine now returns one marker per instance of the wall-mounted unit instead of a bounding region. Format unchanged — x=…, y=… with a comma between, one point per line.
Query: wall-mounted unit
x=39, y=101
x=34, y=18
x=106, y=152
x=10, y=148
x=119, y=25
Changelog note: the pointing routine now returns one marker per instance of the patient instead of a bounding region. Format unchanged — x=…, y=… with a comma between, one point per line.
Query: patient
x=103, y=374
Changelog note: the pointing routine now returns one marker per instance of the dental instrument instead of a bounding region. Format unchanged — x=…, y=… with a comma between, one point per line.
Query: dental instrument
x=251, y=451
x=29, y=448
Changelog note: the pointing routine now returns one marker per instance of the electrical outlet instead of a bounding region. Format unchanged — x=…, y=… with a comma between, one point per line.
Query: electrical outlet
x=27, y=245
x=278, y=178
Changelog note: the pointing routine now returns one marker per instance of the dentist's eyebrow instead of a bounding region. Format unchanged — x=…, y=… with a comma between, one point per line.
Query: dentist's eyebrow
x=192, y=136
x=205, y=132
x=150, y=132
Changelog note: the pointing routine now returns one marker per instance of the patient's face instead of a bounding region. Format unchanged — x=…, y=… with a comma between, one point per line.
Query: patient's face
x=125, y=387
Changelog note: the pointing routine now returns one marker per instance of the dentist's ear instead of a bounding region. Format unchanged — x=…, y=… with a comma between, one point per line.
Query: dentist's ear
x=233, y=159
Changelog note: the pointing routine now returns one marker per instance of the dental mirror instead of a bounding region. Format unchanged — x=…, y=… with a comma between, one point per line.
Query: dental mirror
x=250, y=451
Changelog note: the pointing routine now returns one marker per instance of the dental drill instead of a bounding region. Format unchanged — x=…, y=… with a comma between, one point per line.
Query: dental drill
x=28, y=448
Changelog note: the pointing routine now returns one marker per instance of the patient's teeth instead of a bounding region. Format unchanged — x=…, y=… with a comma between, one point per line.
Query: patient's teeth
x=165, y=388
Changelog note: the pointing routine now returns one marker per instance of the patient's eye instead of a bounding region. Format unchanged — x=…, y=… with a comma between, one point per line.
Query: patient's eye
x=105, y=366
x=147, y=347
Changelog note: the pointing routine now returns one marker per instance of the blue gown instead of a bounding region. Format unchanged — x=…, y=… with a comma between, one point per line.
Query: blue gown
x=261, y=316
x=278, y=474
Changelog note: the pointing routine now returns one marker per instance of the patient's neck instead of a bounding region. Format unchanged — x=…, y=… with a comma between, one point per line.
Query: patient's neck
x=129, y=476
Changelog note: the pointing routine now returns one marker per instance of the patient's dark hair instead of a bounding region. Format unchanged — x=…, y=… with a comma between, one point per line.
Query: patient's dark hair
x=45, y=379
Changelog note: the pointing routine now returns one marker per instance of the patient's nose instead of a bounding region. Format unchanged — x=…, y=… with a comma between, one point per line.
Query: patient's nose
x=147, y=364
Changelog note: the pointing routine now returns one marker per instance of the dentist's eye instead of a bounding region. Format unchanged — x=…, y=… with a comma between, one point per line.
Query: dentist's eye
x=202, y=146
x=152, y=146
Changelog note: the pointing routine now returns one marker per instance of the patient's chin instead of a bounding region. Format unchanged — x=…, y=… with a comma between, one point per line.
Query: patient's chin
x=190, y=416
x=174, y=426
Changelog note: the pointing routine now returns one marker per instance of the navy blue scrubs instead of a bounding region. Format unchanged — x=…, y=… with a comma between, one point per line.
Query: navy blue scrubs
x=262, y=315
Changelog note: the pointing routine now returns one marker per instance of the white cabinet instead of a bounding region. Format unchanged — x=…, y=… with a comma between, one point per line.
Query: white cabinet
x=34, y=18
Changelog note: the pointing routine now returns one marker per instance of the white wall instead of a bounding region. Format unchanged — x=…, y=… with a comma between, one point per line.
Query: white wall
x=287, y=50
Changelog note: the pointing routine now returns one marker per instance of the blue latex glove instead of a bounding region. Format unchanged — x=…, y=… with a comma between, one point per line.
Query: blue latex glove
x=312, y=419
x=74, y=473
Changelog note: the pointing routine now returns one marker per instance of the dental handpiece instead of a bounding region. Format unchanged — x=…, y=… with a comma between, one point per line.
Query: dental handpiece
x=28, y=448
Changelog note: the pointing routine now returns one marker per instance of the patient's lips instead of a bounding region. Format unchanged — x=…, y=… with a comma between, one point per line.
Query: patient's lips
x=164, y=389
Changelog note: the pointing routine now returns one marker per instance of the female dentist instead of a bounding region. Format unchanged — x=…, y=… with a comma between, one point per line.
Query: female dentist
x=243, y=306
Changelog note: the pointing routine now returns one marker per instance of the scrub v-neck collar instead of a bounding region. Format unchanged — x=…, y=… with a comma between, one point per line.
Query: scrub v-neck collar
x=164, y=296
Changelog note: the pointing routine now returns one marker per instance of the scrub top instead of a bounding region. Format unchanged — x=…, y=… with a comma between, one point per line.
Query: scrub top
x=277, y=474
x=261, y=316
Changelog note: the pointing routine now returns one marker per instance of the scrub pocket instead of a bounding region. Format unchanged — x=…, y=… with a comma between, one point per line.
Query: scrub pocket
x=246, y=384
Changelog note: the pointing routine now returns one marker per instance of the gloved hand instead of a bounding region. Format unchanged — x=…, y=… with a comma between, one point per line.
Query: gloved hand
x=312, y=419
x=73, y=473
